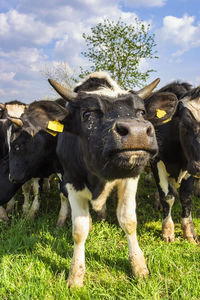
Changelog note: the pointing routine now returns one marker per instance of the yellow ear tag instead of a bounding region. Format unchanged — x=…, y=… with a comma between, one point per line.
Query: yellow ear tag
x=166, y=121
x=51, y=132
x=55, y=126
x=160, y=113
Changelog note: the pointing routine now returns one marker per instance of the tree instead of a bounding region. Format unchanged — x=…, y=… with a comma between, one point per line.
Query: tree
x=119, y=48
x=60, y=72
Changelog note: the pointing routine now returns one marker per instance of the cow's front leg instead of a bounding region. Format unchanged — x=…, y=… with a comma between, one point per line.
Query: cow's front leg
x=80, y=222
x=126, y=213
x=187, y=225
x=36, y=203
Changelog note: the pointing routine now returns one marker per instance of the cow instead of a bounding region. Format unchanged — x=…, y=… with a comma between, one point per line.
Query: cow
x=179, y=157
x=106, y=142
x=13, y=110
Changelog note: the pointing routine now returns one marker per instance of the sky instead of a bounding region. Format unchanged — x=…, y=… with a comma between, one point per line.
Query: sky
x=36, y=35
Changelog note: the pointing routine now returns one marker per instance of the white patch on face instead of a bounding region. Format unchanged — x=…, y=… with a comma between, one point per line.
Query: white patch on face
x=193, y=106
x=163, y=176
x=9, y=132
x=15, y=110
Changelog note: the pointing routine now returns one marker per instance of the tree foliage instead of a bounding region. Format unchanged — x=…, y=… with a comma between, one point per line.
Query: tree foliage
x=120, y=48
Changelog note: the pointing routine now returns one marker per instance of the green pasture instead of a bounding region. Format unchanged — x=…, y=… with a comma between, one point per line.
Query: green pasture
x=35, y=256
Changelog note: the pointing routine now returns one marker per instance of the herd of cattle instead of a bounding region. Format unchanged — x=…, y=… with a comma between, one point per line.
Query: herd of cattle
x=98, y=137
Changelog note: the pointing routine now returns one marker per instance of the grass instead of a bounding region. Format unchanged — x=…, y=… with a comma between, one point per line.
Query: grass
x=35, y=256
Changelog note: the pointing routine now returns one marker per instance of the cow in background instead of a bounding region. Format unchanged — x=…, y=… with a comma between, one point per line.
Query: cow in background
x=13, y=110
x=179, y=157
x=107, y=141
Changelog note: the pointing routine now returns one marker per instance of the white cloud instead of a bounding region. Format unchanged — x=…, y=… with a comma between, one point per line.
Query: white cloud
x=181, y=32
x=7, y=76
x=55, y=26
x=146, y=3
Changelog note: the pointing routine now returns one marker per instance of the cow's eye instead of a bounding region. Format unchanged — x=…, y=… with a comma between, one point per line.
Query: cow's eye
x=86, y=115
x=141, y=113
x=17, y=147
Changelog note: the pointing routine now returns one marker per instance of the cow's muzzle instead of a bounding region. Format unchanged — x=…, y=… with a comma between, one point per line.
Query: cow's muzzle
x=135, y=135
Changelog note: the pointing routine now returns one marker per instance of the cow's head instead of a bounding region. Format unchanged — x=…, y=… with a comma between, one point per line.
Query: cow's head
x=113, y=125
x=189, y=128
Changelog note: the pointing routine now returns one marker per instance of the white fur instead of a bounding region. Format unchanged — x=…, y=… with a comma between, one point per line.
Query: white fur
x=80, y=221
x=163, y=176
x=9, y=132
x=193, y=106
x=99, y=202
x=115, y=89
x=15, y=110
x=126, y=213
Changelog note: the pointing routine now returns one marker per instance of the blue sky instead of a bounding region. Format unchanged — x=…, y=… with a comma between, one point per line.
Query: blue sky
x=37, y=34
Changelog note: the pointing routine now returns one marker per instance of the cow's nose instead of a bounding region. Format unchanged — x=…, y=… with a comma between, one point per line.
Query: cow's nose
x=128, y=128
x=135, y=134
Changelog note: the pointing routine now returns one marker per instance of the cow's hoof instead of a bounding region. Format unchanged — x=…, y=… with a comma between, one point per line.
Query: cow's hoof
x=61, y=223
x=74, y=281
x=138, y=266
x=188, y=230
x=71, y=283
x=76, y=275
x=168, y=230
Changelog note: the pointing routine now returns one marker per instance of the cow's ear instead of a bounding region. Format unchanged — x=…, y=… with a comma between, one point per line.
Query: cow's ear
x=160, y=107
x=43, y=115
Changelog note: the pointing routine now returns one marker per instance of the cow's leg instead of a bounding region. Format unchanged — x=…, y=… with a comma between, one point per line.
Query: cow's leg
x=26, y=189
x=64, y=212
x=157, y=204
x=36, y=204
x=101, y=214
x=126, y=213
x=186, y=190
x=3, y=214
x=166, y=199
x=10, y=205
x=46, y=184
x=197, y=187
x=80, y=222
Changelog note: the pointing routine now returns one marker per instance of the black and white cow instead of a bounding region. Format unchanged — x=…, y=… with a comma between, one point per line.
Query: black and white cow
x=41, y=163
x=179, y=157
x=107, y=141
x=13, y=110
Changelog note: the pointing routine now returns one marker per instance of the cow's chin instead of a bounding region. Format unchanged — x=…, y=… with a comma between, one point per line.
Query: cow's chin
x=125, y=164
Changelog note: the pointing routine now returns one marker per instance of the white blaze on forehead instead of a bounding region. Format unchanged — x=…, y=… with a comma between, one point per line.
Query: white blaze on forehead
x=193, y=106
x=113, y=91
x=15, y=110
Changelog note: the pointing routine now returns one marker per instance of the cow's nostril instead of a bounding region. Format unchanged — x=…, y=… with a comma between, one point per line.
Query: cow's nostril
x=150, y=131
x=122, y=130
